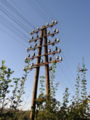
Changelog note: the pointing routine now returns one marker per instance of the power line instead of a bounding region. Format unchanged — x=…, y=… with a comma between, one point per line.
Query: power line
x=12, y=28
x=45, y=11
x=13, y=18
x=43, y=14
x=14, y=9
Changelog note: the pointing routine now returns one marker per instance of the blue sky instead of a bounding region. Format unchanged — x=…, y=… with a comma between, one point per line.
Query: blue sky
x=74, y=25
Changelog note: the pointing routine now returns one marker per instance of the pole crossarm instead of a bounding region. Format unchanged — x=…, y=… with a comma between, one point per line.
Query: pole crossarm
x=51, y=53
x=49, y=34
x=41, y=28
x=42, y=64
x=36, y=47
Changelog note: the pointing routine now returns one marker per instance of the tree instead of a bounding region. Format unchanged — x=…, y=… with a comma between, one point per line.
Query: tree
x=11, y=91
x=5, y=74
x=83, y=81
x=63, y=113
x=77, y=86
x=79, y=106
x=18, y=91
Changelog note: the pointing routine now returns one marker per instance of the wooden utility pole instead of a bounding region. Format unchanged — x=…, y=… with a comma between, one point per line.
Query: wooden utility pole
x=34, y=96
x=43, y=43
x=47, y=65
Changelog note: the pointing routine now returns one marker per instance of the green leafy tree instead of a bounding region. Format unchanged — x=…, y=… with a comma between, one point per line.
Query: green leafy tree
x=63, y=113
x=77, y=86
x=18, y=91
x=5, y=74
x=84, y=95
x=11, y=92
x=83, y=82
x=79, y=106
x=53, y=84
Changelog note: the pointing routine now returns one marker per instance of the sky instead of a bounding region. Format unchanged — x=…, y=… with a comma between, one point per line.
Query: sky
x=19, y=17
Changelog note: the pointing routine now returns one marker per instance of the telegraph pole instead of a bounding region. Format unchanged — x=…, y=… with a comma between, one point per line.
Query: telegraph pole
x=42, y=35
x=47, y=65
x=32, y=114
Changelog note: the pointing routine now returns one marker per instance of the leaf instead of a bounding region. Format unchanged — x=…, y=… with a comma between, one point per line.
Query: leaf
x=3, y=62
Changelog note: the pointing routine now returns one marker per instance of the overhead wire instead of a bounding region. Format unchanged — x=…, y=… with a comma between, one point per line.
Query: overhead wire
x=45, y=11
x=15, y=10
x=12, y=29
x=13, y=18
x=42, y=13
x=15, y=29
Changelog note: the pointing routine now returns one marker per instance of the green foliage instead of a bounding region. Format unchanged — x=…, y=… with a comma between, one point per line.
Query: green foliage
x=49, y=110
x=42, y=85
x=10, y=86
x=55, y=110
x=65, y=98
x=5, y=81
x=77, y=86
x=78, y=108
x=53, y=84
x=18, y=91
x=46, y=109
x=14, y=115
x=83, y=82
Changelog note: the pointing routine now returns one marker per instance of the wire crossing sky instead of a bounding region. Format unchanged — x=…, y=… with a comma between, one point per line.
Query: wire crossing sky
x=19, y=17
